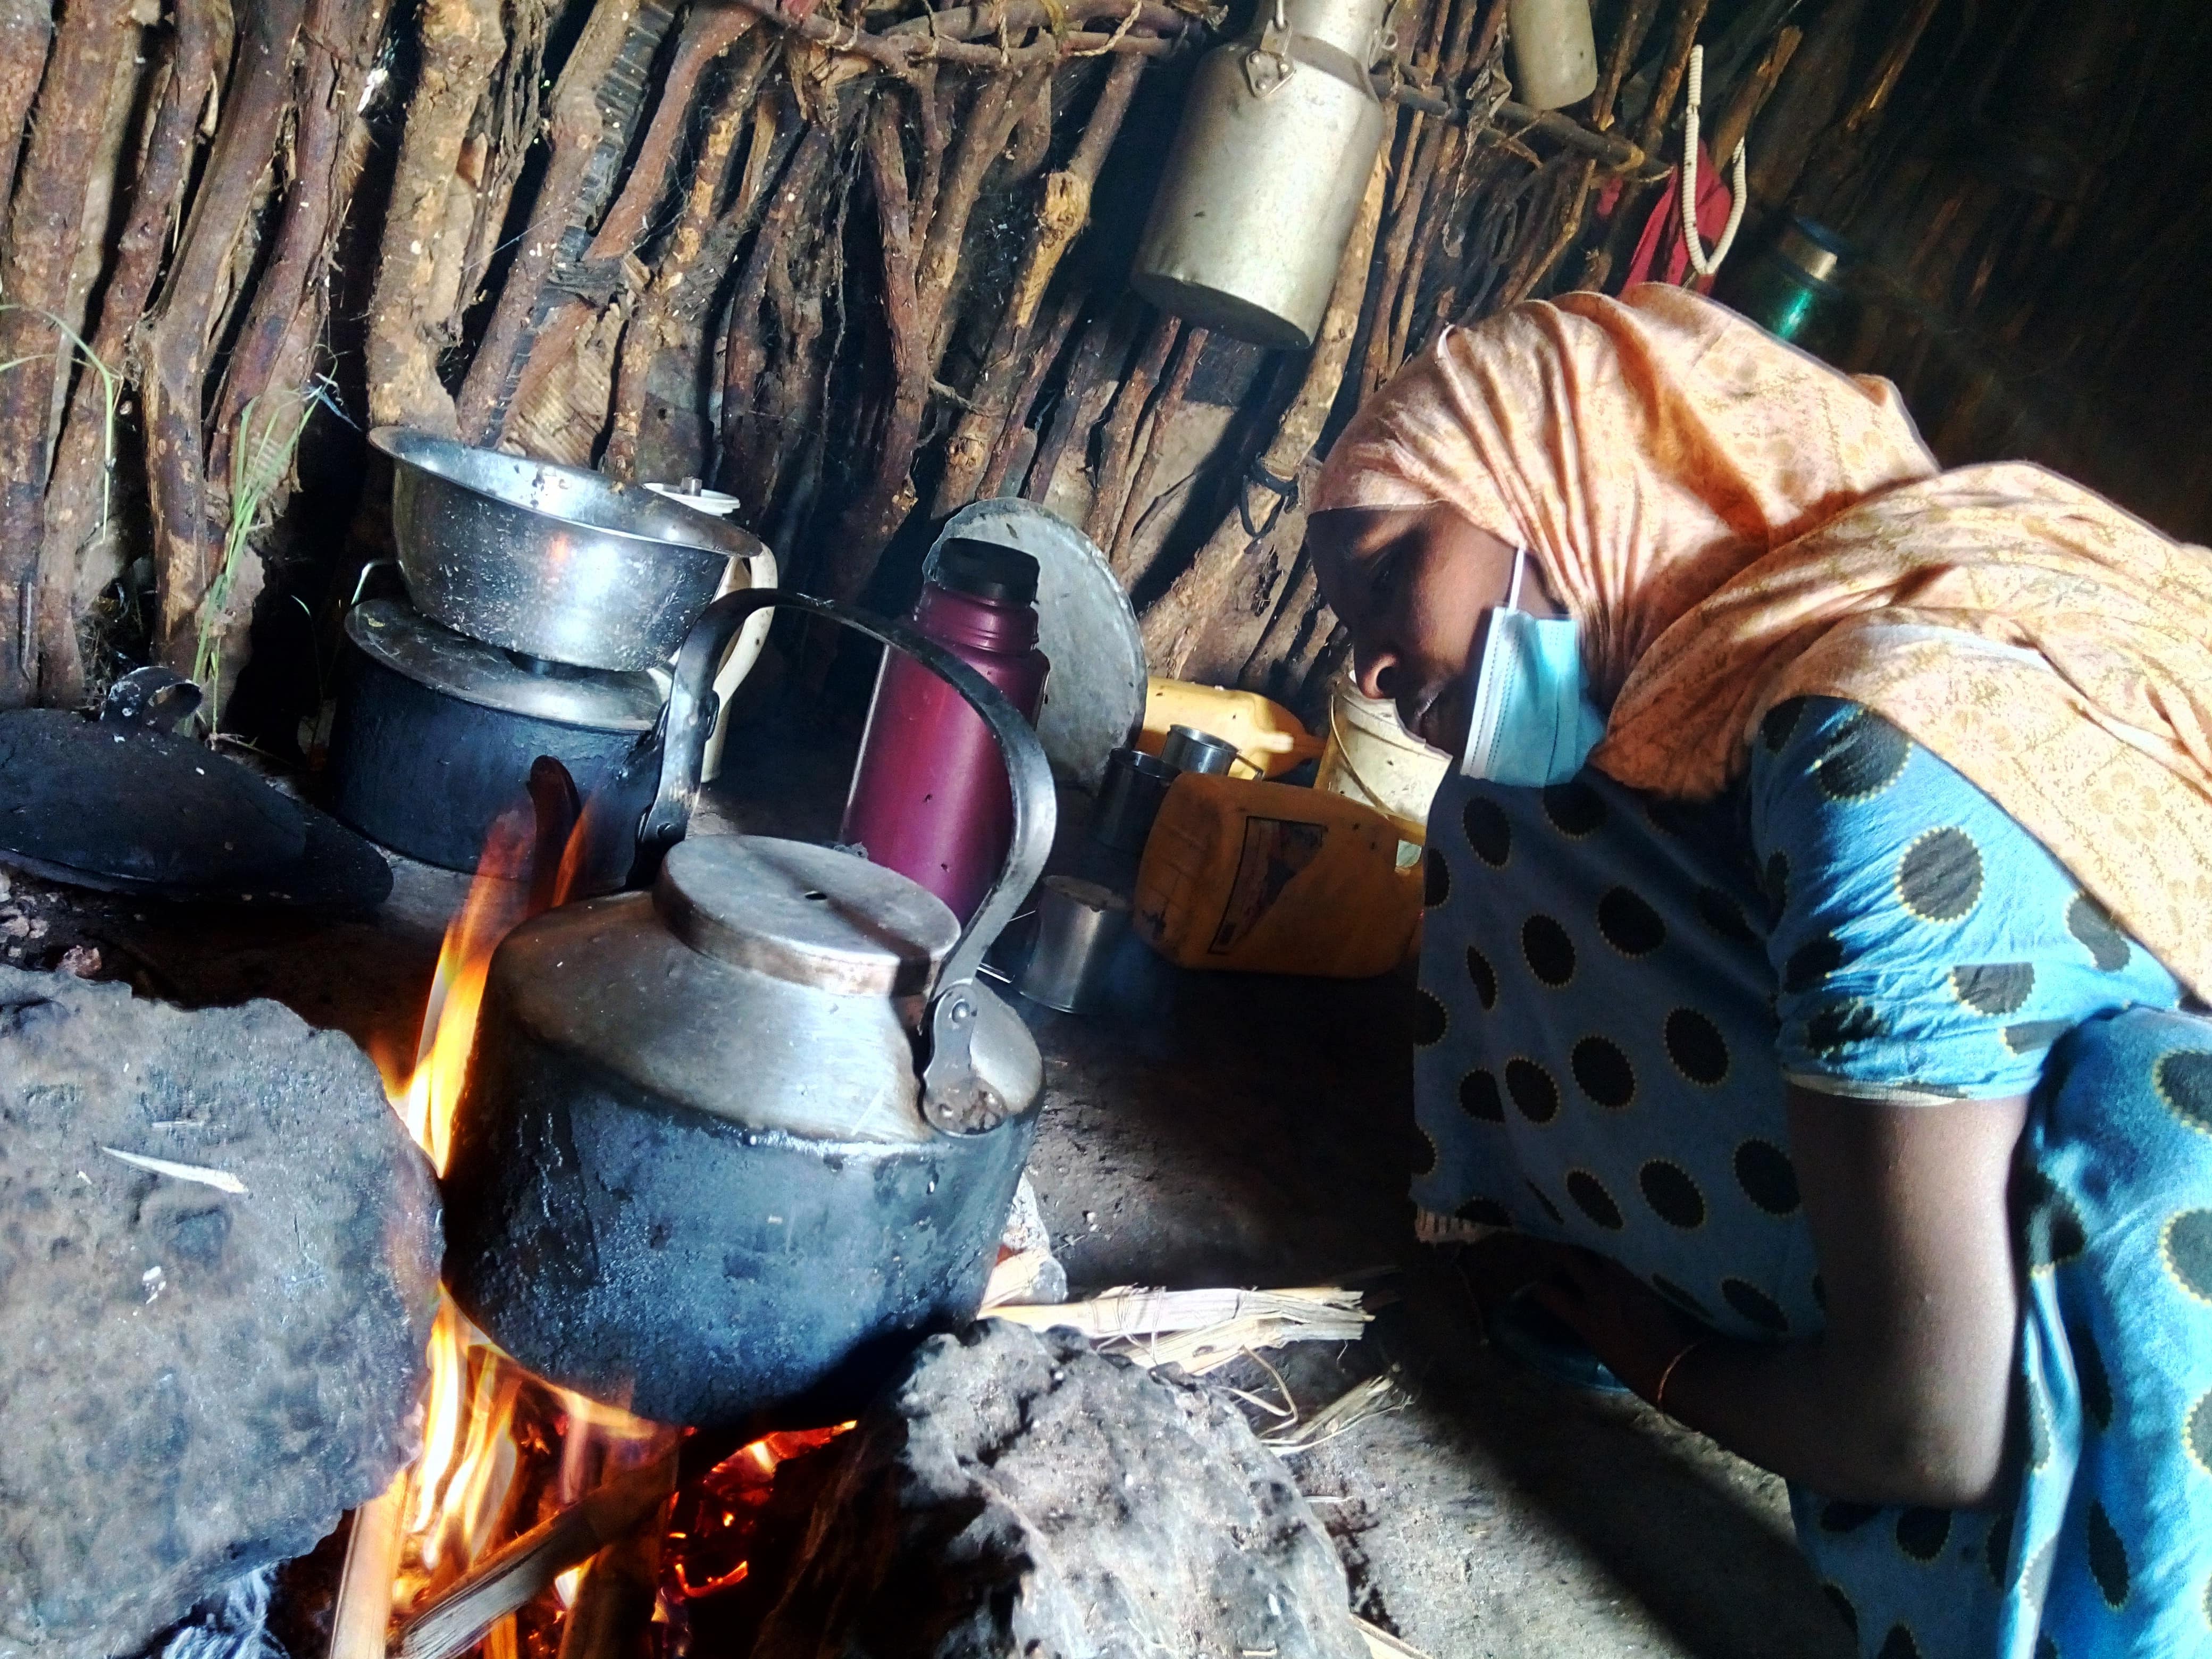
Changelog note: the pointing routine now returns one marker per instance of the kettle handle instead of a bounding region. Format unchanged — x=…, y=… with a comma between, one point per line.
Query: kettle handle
x=690, y=717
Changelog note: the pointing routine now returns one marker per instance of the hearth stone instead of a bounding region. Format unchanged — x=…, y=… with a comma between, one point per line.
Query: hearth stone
x=1014, y=1493
x=194, y=1380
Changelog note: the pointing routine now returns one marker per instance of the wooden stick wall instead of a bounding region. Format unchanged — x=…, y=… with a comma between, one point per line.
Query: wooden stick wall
x=821, y=259
x=856, y=266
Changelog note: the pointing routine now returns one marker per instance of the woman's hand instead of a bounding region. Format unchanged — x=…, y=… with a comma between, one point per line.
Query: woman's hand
x=1624, y=1322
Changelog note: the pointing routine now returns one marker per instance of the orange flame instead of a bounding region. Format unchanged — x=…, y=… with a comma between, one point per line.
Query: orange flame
x=465, y=1482
x=498, y=901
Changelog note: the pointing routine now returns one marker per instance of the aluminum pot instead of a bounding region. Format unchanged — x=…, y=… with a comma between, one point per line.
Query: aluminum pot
x=551, y=561
x=728, y=1149
x=1257, y=199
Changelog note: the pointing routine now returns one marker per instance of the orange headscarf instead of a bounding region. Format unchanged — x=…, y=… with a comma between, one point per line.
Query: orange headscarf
x=1735, y=524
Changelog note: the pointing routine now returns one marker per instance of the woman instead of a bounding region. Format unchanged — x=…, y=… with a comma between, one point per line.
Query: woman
x=1816, y=931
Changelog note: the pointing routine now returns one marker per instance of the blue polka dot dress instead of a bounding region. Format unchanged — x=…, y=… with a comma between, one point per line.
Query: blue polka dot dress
x=1615, y=992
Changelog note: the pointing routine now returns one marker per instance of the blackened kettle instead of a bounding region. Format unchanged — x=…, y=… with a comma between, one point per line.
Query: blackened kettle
x=730, y=1146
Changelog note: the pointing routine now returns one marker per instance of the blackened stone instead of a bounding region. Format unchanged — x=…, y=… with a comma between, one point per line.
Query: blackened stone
x=1015, y=1494
x=196, y=1382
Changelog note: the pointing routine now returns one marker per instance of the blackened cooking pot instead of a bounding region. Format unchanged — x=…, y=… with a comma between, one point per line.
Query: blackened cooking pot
x=435, y=734
x=731, y=1146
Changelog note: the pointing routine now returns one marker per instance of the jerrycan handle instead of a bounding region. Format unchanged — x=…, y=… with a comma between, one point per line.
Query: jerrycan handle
x=690, y=717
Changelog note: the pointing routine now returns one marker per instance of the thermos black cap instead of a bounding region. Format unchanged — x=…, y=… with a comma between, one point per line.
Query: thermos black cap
x=986, y=570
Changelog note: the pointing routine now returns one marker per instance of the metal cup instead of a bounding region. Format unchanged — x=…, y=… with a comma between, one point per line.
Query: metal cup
x=1129, y=798
x=1078, y=925
x=1186, y=749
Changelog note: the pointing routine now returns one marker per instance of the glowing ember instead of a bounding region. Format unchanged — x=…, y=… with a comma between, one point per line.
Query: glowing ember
x=715, y=1523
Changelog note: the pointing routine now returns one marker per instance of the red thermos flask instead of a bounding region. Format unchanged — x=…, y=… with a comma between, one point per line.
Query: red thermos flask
x=930, y=796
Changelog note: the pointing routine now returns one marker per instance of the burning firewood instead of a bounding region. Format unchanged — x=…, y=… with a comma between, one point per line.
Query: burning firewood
x=524, y=1569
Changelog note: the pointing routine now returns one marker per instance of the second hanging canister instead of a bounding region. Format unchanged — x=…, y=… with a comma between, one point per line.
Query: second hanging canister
x=1278, y=136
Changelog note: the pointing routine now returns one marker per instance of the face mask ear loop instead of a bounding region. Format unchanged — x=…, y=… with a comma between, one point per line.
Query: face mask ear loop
x=1513, y=587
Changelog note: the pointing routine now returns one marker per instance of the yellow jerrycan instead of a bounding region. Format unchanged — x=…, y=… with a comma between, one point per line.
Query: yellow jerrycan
x=1273, y=879
x=1269, y=738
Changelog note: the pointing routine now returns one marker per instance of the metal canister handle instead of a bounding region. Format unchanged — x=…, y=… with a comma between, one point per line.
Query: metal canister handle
x=690, y=717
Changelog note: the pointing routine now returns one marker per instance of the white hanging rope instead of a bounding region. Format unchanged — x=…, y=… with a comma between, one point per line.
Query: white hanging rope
x=1701, y=262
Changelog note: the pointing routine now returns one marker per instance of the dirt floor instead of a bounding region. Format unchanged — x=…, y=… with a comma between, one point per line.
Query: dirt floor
x=1211, y=1130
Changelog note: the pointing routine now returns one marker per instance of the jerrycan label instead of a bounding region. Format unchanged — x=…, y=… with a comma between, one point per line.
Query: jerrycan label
x=1274, y=851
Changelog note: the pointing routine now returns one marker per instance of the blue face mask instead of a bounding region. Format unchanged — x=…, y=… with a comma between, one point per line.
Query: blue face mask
x=1532, y=721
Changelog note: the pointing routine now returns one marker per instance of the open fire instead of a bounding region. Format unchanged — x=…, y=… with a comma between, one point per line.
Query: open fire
x=498, y=1535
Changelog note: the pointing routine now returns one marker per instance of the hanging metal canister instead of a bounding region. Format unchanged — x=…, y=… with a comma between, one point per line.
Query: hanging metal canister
x=1266, y=173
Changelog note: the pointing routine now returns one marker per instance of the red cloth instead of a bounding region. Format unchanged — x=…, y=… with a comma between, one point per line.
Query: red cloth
x=1661, y=255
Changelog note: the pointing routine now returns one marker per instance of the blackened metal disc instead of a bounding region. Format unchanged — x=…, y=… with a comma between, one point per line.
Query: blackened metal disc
x=126, y=810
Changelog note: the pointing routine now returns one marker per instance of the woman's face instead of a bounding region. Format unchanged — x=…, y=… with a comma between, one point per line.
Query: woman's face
x=1412, y=584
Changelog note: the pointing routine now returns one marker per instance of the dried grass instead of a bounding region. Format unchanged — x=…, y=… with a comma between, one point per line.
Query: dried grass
x=1203, y=1330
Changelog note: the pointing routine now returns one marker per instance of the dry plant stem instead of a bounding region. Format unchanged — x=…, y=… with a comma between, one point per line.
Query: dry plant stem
x=43, y=226
x=1438, y=188
x=1117, y=445
x=920, y=264
x=1280, y=635
x=1377, y=363
x=340, y=37
x=277, y=343
x=901, y=53
x=1435, y=204
x=1870, y=102
x=1102, y=343
x=77, y=488
x=1044, y=353
x=648, y=330
x=1514, y=122
x=783, y=391
x=1173, y=624
x=417, y=294
x=1629, y=210
x=970, y=22
x=613, y=1605
x=745, y=353
x=931, y=106
x=1062, y=216
x=998, y=105
x=709, y=31
x=1122, y=552
x=1840, y=151
x=574, y=128
x=1634, y=25
x=502, y=138
x=880, y=499
x=1751, y=97
x=25, y=27
x=1531, y=272
x=1677, y=65
x=258, y=97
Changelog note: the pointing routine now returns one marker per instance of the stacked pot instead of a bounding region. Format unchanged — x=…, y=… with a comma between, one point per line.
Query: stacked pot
x=543, y=605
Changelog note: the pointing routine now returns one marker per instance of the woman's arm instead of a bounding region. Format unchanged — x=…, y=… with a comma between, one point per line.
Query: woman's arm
x=1903, y=1398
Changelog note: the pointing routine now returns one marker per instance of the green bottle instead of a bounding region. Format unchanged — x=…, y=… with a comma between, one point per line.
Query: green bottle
x=1794, y=288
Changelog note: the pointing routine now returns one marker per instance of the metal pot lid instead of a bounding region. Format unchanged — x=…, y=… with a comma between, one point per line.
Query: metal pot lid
x=402, y=639
x=126, y=809
x=809, y=914
x=1094, y=699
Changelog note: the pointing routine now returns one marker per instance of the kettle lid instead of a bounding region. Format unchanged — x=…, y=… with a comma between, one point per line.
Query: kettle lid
x=809, y=914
